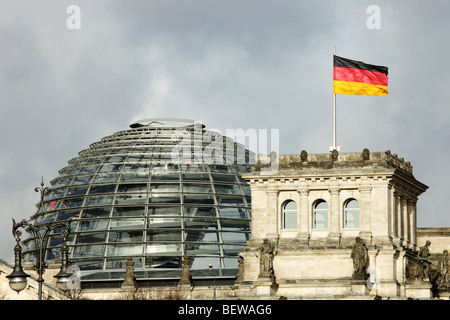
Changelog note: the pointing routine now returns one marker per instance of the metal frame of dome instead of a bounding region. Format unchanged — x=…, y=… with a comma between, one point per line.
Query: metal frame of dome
x=126, y=197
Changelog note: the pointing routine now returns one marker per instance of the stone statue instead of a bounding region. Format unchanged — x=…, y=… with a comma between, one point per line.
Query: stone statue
x=423, y=262
x=240, y=274
x=443, y=269
x=304, y=155
x=129, y=279
x=266, y=260
x=185, y=278
x=366, y=154
x=360, y=257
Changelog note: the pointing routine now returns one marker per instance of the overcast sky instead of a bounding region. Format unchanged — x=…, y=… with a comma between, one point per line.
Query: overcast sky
x=229, y=63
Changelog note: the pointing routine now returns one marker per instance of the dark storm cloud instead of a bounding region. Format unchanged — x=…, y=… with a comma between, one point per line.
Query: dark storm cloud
x=232, y=64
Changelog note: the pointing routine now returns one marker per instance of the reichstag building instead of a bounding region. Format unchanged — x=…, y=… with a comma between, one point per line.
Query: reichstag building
x=170, y=210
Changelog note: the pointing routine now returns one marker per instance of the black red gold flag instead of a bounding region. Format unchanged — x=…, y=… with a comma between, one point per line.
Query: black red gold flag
x=359, y=78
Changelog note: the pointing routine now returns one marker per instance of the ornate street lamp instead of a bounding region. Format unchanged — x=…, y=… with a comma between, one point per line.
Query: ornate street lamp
x=18, y=278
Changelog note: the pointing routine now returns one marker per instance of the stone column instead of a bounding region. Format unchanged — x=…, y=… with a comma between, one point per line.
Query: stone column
x=365, y=214
x=335, y=222
x=404, y=226
x=304, y=219
x=412, y=222
x=397, y=218
x=272, y=214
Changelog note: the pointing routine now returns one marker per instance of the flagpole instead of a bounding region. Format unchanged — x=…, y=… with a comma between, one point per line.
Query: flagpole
x=334, y=147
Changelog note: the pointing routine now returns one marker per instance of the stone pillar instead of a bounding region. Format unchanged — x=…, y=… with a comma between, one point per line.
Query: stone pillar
x=335, y=221
x=397, y=218
x=272, y=214
x=412, y=222
x=404, y=220
x=259, y=213
x=365, y=214
x=304, y=219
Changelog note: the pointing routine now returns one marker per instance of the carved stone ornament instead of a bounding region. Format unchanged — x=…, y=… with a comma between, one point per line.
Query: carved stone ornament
x=129, y=279
x=185, y=278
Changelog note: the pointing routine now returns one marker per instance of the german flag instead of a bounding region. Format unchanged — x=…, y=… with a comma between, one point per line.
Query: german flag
x=356, y=77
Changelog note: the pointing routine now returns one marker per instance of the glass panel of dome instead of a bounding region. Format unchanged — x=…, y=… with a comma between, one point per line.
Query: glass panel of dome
x=199, y=199
x=52, y=205
x=202, y=249
x=91, y=238
x=167, y=211
x=61, y=182
x=204, y=263
x=200, y=211
x=196, y=177
x=163, y=249
x=231, y=263
x=97, y=212
x=163, y=235
x=220, y=168
x=193, y=223
x=201, y=235
x=224, y=178
x=232, y=250
x=81, y=180
x=197, y=188
x=98, y=200
x=163, y=262
x=121, y=263
x=89, y=250
x=128, y=211
x=90, y=265
x=233, y=237
x=76, y=191
x=234, y=224
x=128, y=223
x=131, y=199
x=134, y=175
x=55, y=193
x=126, y=236
x=227, y=189
x=226, y=200
x=164, y=198
x=159, y=175
x=102, y=189
x=165, y=187
x=124, y=250
x=164, y=223
x=93, y=224
x=233, y=213
x=127, y=187
x=74, y=202
x=103, y=177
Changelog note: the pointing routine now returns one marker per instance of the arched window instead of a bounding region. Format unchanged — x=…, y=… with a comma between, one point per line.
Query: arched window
x=290, y=215
x=351, y=214
x=320, y=215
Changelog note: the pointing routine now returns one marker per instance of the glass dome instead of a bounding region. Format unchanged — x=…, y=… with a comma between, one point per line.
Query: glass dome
x=156, y=192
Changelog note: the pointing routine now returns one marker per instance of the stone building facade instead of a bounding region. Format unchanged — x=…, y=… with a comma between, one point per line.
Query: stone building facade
x=316, y=208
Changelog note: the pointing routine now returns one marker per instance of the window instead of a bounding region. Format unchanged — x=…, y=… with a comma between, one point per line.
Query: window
x=290, y=215
x=351, y=214
x=320, y=218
